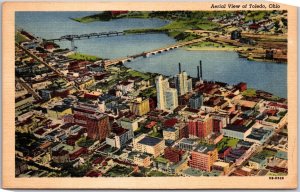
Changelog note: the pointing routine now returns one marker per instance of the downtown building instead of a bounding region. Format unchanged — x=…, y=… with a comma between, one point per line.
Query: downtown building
x=200, y=126
x=140, y=106
x=183, y=84
x=167, y=98
x=203, y=157
x=151, y=145
x=97, y=124
x=196, y=101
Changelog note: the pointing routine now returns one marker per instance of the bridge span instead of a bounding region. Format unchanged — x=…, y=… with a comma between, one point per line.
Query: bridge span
x=107, y=63
x=86, y=36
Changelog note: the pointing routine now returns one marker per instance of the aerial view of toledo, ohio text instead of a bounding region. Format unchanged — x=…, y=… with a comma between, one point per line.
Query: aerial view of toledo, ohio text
x=151, y=93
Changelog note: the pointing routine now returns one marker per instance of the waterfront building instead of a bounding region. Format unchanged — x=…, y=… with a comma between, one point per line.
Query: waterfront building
x=183, y=84
x=167, y=98
x=203, y=157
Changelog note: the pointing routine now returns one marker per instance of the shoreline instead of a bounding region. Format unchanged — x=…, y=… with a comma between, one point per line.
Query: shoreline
x=208, y=49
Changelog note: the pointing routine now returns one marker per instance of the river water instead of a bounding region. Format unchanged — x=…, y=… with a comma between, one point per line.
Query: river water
x=217, y=65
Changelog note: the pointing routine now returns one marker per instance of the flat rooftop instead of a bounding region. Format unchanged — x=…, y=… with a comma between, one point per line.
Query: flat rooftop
x=151, y=141
x=238, y=128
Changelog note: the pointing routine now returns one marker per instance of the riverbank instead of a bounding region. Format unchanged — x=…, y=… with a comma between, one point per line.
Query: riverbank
x=180, y=22
x=209, y=49
x=85, y=57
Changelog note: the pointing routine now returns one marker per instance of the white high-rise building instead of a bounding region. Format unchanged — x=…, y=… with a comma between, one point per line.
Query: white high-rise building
x=182, y=83
x=171, y=98
x=167, y=98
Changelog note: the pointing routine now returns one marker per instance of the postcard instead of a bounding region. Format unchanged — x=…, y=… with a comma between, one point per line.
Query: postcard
x=123, y=95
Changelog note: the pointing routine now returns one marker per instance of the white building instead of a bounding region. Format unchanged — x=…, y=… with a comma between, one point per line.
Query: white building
x=182, y=83
x=167, y=98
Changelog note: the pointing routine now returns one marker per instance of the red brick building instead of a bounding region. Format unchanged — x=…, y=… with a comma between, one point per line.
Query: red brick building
x=200, y=126
x=97, y=125
x=172, y=154
x=217, y=125
x=203, y=157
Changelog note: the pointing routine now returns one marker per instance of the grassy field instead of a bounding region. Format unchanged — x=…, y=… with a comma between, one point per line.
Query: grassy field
x=138, y=74
x=19, y=38
x=249, y=92
x=210, y=46
x=180, y=22
x=226, y=141
x=84, y=57
x=256, y=15
x=151, y=92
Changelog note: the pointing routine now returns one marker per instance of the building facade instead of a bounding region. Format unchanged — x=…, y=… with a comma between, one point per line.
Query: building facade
x=97, y=125
x=150, y=145
x=140, y=107
x=167, y=98
x=200, y=127
x=203, y=157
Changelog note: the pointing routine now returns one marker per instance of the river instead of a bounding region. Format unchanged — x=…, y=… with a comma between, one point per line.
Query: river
x=217, y=65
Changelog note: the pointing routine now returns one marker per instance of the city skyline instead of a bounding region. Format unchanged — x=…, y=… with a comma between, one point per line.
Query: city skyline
x=80, y=115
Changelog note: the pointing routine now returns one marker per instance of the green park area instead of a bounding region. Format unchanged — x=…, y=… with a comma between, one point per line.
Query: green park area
x=150, y=92
x=205, y=45
x=19, y=38
x=178, y=22
x=83, y=57
x=161, y=160
x=134, y=73
x=227, y=142
x=249, y=93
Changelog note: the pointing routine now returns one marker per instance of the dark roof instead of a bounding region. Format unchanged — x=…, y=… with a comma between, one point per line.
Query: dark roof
x=238, y=128
x=152, y=141
x=60, y=108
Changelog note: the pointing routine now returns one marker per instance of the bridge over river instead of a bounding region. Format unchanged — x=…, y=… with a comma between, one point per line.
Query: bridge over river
x=107, y=63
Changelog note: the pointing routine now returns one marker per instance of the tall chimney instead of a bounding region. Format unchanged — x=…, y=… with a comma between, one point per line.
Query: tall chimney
x=198, y=72
x=201, y=69
x=179, y=66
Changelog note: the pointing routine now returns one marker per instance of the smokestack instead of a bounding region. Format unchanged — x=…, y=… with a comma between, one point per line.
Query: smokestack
x=179, y=66
x=201, y=69
x=198, y=72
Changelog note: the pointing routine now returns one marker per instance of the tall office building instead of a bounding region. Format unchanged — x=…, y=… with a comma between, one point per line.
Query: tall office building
x=167, y=98
x=196, y=101
x=182, y=83
x=203, y=157
x=97, y=124
x=200, y=127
